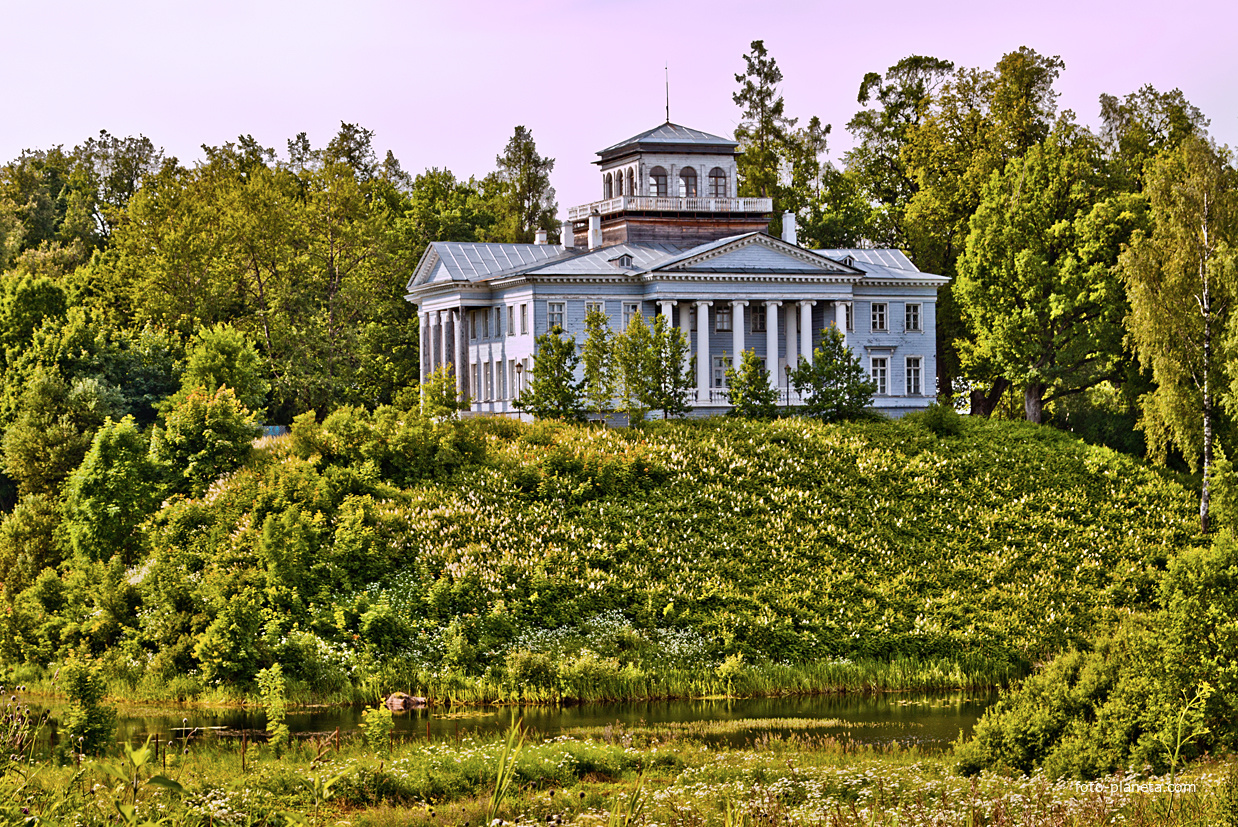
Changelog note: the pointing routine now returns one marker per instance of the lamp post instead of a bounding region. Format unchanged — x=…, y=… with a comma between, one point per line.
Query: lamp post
x=519, y=377
x=787, y=370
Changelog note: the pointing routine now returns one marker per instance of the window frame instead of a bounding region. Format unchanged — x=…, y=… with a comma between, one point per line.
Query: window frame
x=595, y=304
x=485, y=323
x=659, y=185
x=882, y=379
x=511, y=320
x=880, y=318
x=724, y=314
x=757, y=311
x=688, y=184
x=524, y=318
x=629, y=313
x=717, y=375
x=551, y=313
x=910, y=309
x=498, y=322
x=717, y=183
x=918, y=368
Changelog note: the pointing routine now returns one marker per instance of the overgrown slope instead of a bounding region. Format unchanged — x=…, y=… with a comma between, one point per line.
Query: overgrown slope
x=378, y=546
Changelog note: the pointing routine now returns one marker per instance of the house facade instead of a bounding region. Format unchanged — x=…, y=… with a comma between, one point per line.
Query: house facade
x=670, y=237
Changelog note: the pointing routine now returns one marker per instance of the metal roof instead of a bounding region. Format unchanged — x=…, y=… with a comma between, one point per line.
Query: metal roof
x=474, y=261
x=671, y=136
x=890, y=263
x=601, y=260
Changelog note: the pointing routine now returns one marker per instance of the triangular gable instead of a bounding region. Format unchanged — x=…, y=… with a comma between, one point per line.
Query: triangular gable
x=756, y=253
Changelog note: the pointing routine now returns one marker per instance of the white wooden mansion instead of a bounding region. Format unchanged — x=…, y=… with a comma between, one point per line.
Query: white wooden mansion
x=669, y=236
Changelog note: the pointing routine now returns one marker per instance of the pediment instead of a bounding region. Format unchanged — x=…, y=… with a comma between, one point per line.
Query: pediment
x=758, y=253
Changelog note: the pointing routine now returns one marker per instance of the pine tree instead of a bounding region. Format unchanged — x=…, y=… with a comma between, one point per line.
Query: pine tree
x=763, y=131
x=553, y=391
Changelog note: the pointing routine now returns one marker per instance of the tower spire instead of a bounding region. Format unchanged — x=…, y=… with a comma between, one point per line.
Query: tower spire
x=667, y=69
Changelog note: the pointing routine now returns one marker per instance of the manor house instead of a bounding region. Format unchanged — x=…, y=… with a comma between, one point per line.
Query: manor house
x=670, y=236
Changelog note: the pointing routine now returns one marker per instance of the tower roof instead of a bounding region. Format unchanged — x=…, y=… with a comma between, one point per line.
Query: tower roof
x=670, y=137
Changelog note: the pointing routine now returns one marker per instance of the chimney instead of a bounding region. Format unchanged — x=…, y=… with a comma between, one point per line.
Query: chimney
x=540, y=238
x=595, y=231
x=788, y=228
x=567, y=235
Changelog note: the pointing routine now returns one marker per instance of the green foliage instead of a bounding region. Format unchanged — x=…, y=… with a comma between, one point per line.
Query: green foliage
x=764, y=127
x=204, y=437
x=553, y=391
x=834, y=383
x=29, y=542
x=524, y=200
x=439, y=398
x=634, y=369
x=222, y=356
x=376, y=726
x=272, y=688
x=749, y=389
x=599, y=370
x=89, y=726
x=111, y=493
x=671, y=380
x=942, y=420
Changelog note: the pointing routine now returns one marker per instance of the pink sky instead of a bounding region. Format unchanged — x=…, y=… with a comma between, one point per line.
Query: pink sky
x=444, y=84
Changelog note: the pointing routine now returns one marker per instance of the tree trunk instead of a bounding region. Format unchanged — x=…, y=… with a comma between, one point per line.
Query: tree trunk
x=982, y=404
x=1205, y=306
x=1034, y=402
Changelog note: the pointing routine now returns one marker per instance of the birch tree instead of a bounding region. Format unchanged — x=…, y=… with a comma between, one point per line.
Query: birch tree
x=1181, y=284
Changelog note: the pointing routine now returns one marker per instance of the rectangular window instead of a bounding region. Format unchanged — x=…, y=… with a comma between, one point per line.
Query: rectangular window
x=913, y=317
x=511, y=320
x=630, y=311
x=554, y=315
x=721, y=363
x=758, y=318
x=913, y=376
x=879, y=375
x=595, y=307
x=524, y=319
x=485, y=324
x=498, y=322
x=473, y=324
x=722, y=319
x=511, y=379
x=477, y=382
x=879, y=316
x=692, y=318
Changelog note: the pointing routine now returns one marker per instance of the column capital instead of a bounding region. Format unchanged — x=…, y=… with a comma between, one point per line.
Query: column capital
x=739, y=302
x=773, y=304
x=703, y=303
x=807, y=302
x=664, y=302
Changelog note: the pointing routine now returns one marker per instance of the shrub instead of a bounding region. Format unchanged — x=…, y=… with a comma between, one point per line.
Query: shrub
x=749, y=389
x=204, y=437
x=376, y=725
x=939, y=419
x=272, y=689
x=89, y=725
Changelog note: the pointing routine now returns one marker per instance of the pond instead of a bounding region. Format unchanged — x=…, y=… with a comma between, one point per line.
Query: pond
x=929, y=720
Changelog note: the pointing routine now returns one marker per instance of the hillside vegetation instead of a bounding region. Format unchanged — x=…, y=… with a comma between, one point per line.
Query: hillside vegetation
x=487, y=558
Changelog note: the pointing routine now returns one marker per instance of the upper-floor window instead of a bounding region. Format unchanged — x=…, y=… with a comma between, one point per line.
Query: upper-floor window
x=524, y=319
x=485, y=323
x=758, y=318
x=657, y=182
x=472, y=324
x=879, y=316
x=717, y=183
x=722, y=318
x=631, y=190
x=595, y=307
x=879, y=373
x=511, y=320
x=913, y=317
x=554, y=315
x=913, y=376
x=607, y=186
x=630, y=311
x=498, y=322
x=687, y=183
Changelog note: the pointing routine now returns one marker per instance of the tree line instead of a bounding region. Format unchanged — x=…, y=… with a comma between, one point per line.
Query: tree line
x=1093, y=271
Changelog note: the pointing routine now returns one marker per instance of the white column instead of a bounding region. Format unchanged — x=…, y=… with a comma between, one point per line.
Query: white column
x=737, y=334
x=703, y=363
x=434, y=341
x=685, y=325
x=667, y=307
x=771, y=341
x=423, y=320
x=457, y=318
x=442, y=334
x=806, y=329
x=840, y=319
x=792, y=339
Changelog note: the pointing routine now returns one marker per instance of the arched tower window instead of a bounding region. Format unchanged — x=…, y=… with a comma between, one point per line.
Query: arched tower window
x=606, y=186
x=717, y=183
x=631, y=181
x=657, y=182
x=687, y=183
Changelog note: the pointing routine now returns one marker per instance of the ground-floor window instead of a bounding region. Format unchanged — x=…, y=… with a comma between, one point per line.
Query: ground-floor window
x=913, y=376
x=880, y=370
x=721, y=363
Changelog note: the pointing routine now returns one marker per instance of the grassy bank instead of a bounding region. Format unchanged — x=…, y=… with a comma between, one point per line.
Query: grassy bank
x=493, y=561
x=810, y=775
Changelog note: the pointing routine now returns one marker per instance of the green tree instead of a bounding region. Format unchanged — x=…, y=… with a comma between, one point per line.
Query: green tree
x=834, y=383
x=670, y=379
x=89, y=726
x=521, y=184
x=635, y=364
x=440, y=399
x=749, y=389
x=1141, y=125
x=554, y=392
x=1181, y=280
x=764, y=128
x=597, y=357
x=222, y=356
x=204, y=437
x=111, y=493
x=25, y=302
x=1039, y=314
x=29, y=542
